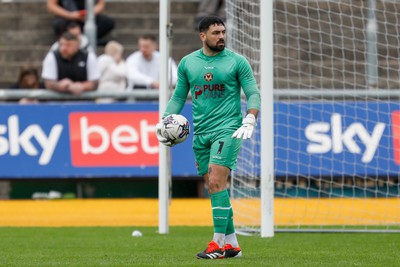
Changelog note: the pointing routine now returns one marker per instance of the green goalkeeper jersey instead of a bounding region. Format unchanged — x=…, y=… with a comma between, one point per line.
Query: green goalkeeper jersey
x=215, y=84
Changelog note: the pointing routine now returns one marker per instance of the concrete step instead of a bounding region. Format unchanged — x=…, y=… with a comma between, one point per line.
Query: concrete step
x=29, y=7
x=23, y=8
x=18, y=54
x=21, y=54
x=15, y=21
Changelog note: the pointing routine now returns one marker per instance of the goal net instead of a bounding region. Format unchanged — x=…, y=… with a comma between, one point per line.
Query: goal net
x=336, y=113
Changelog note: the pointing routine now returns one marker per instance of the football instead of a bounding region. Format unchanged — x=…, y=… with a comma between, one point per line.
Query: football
x=175, y=128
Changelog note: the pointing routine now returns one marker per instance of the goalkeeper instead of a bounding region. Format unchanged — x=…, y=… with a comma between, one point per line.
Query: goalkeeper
x=214, y=76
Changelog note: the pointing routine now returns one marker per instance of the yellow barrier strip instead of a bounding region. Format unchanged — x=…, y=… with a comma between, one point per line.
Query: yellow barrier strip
x=323, y=211
x=195, y=212
x=101, y=212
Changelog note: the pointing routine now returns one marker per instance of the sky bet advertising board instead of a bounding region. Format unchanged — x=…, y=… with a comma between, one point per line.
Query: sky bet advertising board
x=337, y=138
x=118, y=140
x=85, y=140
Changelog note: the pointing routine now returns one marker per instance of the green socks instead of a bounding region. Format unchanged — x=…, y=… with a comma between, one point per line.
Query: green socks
x=230, y=228
x=221, y=212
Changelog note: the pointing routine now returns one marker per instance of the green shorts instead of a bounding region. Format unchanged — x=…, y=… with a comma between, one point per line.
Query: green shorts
x=216, y=148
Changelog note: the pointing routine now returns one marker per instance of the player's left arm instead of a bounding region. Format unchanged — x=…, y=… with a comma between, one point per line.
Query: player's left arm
x=250, y=89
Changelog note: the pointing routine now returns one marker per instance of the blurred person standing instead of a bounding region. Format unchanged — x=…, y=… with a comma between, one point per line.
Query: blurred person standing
x=210, y=8
x=113, y=70
x=74, y=10
x=143, y=66
x=70, y=69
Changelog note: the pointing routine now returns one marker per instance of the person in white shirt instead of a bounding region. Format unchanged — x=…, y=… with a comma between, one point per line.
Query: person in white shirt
x=143, y=66
x=112, y=69
x=70, y=69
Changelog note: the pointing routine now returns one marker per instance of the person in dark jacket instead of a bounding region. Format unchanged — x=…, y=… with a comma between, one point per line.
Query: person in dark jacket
x=74, y=10
x=70, y=69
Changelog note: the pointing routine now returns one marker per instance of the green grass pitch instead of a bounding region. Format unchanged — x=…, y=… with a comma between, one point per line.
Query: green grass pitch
x=114, y=246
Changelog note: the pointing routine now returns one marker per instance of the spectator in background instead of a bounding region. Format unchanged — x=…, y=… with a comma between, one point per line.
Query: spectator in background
x=70, y=69
x=74, y=10
x=209, y=8
x=144, y=65
x=75, y=29
x=28, y=78
x=112, y=69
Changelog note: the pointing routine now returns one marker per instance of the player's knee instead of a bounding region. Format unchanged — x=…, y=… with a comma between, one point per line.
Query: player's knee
x=215, y=185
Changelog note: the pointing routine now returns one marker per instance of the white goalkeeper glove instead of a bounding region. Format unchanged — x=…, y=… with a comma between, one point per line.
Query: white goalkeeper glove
x=247, y=128
x=161, y=138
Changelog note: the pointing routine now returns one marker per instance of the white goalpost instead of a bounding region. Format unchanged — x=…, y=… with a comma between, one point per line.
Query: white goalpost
x=333, y=141
x=164, y=170
x=267, y=119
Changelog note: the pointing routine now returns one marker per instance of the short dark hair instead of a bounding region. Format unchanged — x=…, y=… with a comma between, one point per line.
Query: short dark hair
x=206, y=22
x=151, y=37
x=72, y=25
x=69, y=36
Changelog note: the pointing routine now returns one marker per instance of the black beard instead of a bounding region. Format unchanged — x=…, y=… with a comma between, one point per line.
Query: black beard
x=216, y=48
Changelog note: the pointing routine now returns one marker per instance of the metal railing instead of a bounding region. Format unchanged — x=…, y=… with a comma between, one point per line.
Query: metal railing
x=42, y=94
x=153, y=94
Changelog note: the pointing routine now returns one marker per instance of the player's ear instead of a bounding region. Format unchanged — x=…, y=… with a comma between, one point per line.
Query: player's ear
x=202, y=36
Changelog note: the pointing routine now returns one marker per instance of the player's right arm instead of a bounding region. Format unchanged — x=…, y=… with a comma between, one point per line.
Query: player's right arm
x=179, y=96
x=177, y=100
